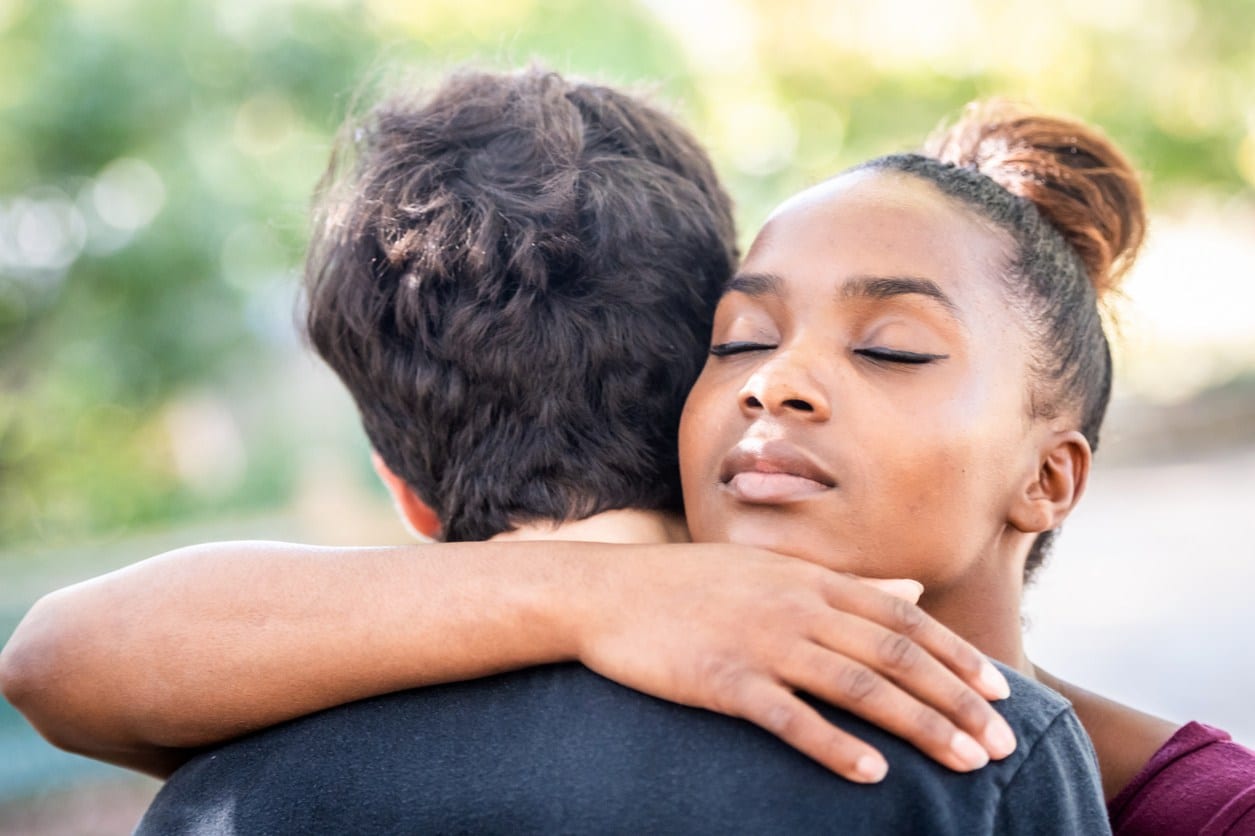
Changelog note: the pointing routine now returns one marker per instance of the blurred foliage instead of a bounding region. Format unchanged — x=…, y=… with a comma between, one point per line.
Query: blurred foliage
x=156, y=160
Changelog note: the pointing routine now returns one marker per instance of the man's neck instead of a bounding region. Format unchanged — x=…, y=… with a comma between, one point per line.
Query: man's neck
x=620, y=526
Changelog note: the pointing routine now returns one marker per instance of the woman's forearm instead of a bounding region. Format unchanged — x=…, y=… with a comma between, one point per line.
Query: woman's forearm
x=143, y=666
x=205, y=643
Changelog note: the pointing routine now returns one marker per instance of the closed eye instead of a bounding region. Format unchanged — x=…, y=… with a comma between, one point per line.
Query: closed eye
x=739, y=347
x=891, y=355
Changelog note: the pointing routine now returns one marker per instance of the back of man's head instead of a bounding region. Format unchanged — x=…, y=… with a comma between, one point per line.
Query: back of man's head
x=515, y=279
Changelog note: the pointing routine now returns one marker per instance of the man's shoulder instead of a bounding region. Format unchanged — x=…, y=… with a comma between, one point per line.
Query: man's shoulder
x=1054, y=764
x=561, y=749
x=1050, y=741
x=1032, y=707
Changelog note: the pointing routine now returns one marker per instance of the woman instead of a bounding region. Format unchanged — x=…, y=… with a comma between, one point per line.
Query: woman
x=921, y=336
x=919, y=339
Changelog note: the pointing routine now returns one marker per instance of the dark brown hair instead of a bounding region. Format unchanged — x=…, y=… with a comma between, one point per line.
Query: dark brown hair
x=515, y=278
x=1073, y=207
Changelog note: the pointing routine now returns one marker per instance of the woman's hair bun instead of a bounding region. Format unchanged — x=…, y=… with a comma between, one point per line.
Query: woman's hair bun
x=1081, y=183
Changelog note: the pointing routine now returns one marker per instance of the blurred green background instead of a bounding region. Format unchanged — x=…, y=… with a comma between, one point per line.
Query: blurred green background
x=156, y=160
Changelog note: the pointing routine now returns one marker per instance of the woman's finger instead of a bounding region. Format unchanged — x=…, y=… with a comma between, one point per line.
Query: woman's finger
x=860, y=690
x=854, y=595
x=925, y=657
x=921, y=690
x=904, y=588
x=779, y=711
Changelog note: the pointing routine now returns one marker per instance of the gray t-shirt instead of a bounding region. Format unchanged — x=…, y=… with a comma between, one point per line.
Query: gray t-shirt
x=559, y=749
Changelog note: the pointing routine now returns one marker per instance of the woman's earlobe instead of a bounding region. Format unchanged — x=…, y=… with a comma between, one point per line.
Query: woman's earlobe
x=1061, y=476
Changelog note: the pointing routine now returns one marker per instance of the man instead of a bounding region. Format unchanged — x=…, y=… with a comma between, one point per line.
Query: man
x=515, y=281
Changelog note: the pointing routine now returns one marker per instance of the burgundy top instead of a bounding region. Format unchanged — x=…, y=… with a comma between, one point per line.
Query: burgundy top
x=1199, y=783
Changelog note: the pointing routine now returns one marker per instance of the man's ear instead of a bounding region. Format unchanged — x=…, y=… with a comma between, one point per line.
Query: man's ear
x=1062, y=470
x=417, y=514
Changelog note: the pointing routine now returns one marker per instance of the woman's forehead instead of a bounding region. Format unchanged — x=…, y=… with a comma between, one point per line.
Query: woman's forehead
x=869, y=222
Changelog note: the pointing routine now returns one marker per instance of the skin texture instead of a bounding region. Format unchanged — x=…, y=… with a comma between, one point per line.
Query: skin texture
x=265, y=632
x=809, y=425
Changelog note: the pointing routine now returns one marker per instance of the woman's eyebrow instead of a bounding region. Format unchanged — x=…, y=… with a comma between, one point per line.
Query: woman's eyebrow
x=887, y=287
x=754, y=284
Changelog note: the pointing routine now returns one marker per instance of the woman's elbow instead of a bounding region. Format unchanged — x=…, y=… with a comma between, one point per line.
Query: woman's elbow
x=33, y=672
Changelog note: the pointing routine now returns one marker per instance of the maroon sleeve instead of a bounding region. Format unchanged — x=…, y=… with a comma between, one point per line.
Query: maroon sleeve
x=1199, y=783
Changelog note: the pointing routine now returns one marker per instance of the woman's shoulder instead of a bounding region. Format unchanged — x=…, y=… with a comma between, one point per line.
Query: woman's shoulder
x=1124, y=738
x=1199, y=781
x=1163, y=778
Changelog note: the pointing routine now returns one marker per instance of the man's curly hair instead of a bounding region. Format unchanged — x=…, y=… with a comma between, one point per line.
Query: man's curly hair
x=515, y=278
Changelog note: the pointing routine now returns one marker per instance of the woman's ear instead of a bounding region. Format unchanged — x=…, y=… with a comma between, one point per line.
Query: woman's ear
x=1062, y=470
x=417, y=514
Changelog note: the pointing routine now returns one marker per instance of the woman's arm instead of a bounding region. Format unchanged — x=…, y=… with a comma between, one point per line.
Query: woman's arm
x=1124, y=738
x=142, y=666
x=202, y=644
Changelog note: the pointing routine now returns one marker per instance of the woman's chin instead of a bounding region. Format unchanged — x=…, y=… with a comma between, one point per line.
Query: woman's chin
x=840, y=554
x=794, y=543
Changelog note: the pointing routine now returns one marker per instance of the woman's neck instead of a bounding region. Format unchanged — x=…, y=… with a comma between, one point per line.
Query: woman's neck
x=984, y=607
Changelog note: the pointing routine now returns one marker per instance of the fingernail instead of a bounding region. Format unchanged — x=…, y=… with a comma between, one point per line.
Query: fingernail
x=969, y=751
x=871, y=769
x=999, y=738
x=994, y=681
x=912, y=588
x=903, y=588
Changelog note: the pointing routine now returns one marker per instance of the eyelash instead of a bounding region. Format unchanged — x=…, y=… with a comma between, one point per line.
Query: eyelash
x=880, y=355
x=740, y=347
x=887, y=355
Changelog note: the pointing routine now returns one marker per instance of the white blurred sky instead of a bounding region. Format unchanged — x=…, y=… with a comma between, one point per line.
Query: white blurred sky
x=1189, y=316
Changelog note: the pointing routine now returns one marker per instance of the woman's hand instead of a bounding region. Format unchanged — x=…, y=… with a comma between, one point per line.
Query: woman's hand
x=739, y=630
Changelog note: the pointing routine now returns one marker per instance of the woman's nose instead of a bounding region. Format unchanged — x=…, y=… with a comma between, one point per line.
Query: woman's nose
x=782, y=386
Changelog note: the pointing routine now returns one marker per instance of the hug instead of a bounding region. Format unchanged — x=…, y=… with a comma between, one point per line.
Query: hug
x=869, y=427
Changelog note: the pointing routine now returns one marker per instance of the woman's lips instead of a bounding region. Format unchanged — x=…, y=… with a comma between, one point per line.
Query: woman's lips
x=772, y=472
x=772, y=488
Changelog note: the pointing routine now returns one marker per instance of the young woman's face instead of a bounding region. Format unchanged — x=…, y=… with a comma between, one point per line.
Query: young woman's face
x=865, y=402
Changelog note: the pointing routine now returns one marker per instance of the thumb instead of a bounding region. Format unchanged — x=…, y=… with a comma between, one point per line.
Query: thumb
x=903, y=588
